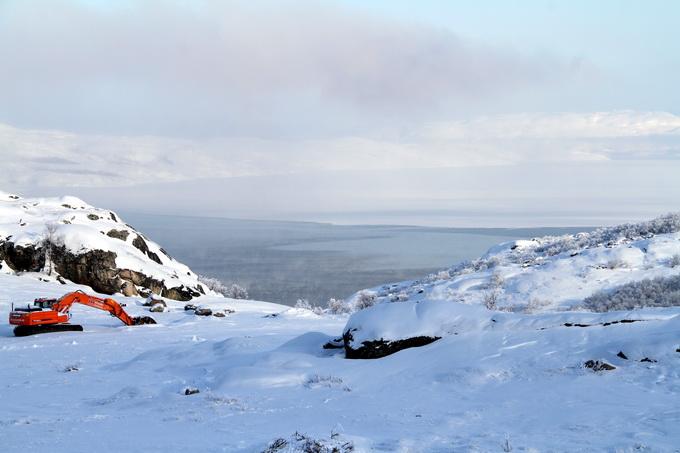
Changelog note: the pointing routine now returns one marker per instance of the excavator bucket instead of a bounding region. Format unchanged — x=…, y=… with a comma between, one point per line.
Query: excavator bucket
x=139, y=320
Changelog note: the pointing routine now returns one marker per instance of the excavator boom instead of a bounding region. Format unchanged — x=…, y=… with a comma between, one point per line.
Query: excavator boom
x=52, y=315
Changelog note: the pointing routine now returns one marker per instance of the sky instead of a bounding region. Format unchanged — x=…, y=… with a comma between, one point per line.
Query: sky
x=486, y=113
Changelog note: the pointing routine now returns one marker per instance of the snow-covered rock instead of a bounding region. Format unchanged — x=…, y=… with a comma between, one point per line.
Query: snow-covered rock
x=90, y=246
x=531, y=276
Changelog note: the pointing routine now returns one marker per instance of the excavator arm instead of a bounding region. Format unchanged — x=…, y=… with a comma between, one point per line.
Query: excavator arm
x=64, y=304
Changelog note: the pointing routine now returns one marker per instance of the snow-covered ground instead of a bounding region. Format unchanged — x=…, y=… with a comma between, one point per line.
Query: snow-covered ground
x=509, y=379
x=503, y=377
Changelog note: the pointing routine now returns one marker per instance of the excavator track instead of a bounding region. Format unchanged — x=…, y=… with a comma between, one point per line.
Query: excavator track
x=24, y=331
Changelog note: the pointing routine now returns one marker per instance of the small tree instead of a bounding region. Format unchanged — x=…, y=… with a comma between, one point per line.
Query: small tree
x=232, y=291
x=50, y=243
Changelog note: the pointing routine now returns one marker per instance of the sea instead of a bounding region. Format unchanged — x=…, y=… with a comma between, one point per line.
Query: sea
x=283, y=261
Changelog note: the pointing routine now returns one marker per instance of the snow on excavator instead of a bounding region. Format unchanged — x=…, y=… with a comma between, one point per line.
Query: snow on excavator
x=52, y=315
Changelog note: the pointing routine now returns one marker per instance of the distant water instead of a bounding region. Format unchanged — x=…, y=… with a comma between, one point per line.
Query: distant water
x=285, y=261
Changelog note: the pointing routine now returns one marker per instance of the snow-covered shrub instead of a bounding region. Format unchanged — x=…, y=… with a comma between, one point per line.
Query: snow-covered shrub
x=301, y=443
x=364, y=299
x=674, y=261
x=443, y=275
x=535, y=305
x=616, y=263
x=657, y=292
x=491, y=299
x=338, y=307
x=232, y=291
x=304, y=304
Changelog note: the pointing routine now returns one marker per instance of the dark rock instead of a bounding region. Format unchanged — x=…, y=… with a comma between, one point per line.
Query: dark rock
x=219, y=314
x=334, y=344
x=647, y=359
x=596, y=365
x=203, y=311
x=677, y=350
x=61, y=280
x=622, y=355
x=276, y=445
x=140, y=244
x=95, y=268
x=113, y=217
x=93, y=217
x=376, y=349
x=191, y=391
x=151, y=301
x=22, y=259
x=180, y=293
x=67, y=206
x=157, y=308
x=189, y=307
x=128, y=289
x=154, y=257
x=119, y=234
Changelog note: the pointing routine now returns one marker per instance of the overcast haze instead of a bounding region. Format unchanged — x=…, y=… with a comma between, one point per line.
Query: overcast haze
x=498, y=113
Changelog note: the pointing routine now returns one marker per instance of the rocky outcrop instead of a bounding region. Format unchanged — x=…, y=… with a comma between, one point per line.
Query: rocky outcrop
x=376, y=349
x=119, y=234
x=20, y=258
x=95, y=268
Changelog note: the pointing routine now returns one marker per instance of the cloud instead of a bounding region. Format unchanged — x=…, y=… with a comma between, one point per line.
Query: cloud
x=225, y=68
x=39, y=157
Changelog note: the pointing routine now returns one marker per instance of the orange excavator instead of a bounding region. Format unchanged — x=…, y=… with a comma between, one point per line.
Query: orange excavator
x=52, y=315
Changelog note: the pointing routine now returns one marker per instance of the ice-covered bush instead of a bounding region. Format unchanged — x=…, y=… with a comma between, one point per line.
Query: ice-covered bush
x=232, y=291
x=306, y=305
x=338, y=306
x=657, y=292
x=364, y=299
x=674, y=261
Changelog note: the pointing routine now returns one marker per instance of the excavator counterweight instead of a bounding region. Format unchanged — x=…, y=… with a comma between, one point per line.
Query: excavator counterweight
x=52, y=315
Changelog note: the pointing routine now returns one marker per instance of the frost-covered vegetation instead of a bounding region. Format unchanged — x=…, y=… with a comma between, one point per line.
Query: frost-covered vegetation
x=232, y=291
x=657, y=292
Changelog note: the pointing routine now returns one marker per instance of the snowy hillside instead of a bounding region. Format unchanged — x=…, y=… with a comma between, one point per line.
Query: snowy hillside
x=66, y=236
x=267, y=378
x=622, y=267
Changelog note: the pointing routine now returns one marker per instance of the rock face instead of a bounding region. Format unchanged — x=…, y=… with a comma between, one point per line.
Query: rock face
x=381, y=348
x=88, y=246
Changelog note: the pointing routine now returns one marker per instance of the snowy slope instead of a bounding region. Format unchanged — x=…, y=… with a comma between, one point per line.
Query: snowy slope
x=262, y=378
x=82, y=228
x=551, y=273
x=496, y=380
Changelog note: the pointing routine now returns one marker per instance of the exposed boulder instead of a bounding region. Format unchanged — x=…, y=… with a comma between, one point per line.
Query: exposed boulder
x=140, y=244
x=203, y=311
x=381, y=348
x=157, y=308
x=597, y=365
x=118, y=234
x=180, y=293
